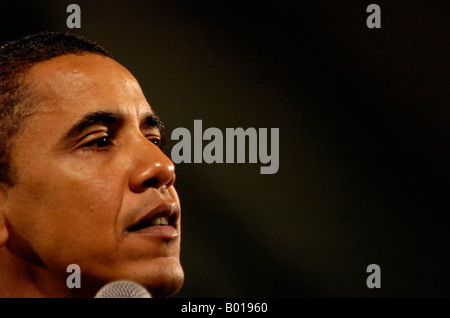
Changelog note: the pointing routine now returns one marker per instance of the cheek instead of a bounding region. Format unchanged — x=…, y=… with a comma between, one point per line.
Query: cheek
x=90, y=206
x=89, y=186
x=64, y=210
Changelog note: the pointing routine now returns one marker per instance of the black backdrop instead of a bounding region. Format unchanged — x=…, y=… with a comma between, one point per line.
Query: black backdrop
x=364, y=128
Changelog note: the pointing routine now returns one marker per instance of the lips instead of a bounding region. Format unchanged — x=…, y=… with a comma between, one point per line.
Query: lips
x=159, y=222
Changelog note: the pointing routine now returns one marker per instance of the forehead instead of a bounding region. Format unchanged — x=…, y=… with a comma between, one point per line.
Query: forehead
x=74, y=84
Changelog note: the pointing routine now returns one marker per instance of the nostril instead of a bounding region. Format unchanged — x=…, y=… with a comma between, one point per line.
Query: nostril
x=150, y=183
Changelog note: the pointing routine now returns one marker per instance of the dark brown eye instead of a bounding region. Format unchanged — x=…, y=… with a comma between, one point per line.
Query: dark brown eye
x=102, y=142
x=156, y=141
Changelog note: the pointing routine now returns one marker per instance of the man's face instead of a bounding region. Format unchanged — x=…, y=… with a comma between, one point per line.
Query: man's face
x=92, y=181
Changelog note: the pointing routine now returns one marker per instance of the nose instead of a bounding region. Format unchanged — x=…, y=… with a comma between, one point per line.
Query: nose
x=153, y=169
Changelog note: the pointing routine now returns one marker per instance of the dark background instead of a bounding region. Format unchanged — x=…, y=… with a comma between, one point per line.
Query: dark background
x=364, y=132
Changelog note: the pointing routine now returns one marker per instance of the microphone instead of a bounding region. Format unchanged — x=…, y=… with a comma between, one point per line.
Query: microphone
x=123, y=289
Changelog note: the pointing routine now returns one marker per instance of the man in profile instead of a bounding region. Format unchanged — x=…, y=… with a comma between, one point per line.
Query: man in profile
x=83, y=179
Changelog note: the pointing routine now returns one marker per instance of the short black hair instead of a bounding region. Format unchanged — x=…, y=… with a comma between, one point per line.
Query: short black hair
x=16, y=59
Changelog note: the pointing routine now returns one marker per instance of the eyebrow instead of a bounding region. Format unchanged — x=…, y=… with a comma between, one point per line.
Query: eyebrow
x=153, y=121
x=108, y=119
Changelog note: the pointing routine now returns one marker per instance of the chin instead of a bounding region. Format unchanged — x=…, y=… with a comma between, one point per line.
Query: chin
x=162, y=277
x=166, y=283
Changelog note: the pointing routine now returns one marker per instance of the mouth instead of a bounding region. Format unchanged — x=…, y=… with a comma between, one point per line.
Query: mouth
x=160, y=222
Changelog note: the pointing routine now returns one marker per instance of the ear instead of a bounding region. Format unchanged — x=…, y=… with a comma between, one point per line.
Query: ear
x=3, y=228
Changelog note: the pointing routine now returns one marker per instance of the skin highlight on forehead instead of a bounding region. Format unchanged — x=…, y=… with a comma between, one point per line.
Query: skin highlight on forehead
x=73, y=77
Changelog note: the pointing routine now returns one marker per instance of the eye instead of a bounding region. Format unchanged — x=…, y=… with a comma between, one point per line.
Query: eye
x=155, y=140
x=101, y=142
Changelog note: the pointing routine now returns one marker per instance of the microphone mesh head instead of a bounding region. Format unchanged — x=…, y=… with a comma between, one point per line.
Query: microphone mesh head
x=122, y=289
